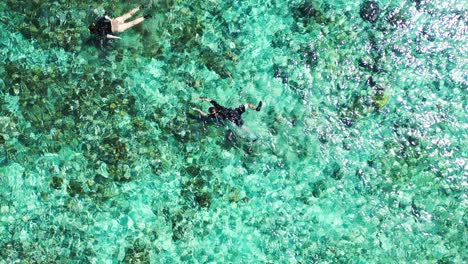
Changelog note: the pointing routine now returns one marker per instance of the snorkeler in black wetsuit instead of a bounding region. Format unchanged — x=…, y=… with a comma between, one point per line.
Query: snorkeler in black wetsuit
x=101, y=28
x=221, y=113
x=105, y=26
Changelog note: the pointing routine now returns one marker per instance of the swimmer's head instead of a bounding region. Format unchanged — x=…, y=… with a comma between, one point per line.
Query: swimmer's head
x=212, y=110
x=93, y=28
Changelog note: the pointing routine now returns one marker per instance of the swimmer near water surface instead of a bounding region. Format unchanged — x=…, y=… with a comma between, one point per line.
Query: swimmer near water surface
x=220, y=113
x=106, y=27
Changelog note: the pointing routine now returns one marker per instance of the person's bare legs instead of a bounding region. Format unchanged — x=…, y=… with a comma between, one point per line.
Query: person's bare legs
x=253, y=107
x=126, y=16
x=119, y=25
x=125, y=26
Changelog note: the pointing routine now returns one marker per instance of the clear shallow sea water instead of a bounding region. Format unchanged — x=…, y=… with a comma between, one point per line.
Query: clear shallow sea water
x=358, y=155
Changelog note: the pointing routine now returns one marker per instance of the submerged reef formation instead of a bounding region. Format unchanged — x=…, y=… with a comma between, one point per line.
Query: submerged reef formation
x=370, y=11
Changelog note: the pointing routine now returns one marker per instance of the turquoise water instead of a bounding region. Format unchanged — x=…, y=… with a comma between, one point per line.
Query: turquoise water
x=358, y=155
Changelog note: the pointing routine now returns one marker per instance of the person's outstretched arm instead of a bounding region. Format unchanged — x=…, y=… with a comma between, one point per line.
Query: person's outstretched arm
x=213, y=102
x=199, y=111
x=109, y=36
x=206, y=99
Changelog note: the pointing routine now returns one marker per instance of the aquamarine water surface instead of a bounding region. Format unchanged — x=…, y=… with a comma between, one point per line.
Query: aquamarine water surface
x=357, y=156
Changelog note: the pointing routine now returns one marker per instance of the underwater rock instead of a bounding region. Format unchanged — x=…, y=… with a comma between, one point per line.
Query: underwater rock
x=75, y=188
x=348, y=122
x=379, y=98
x=305, y=10
x=113, y=150
x=370, y=11
x=396, y=19
x=180, y=223
x=194, y=191
x=334, y=170
x=378, y=90
x=310, y=56
x=56, y=182
x=215, y=63
x=280, y=40
x=322, y=137
x=235, y=196
x=318, y=187
x=137, y=253
x=281, y=72
x=308, y=12
x=369, y=64
x=370, y=82
x=412, y=140
x=203, y=199
x=419, y=3
x=376, y=49
x=193, y=170
x=184, y=35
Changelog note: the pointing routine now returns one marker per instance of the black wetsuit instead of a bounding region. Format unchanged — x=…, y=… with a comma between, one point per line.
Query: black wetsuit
x=104, y=27
x=222, y=113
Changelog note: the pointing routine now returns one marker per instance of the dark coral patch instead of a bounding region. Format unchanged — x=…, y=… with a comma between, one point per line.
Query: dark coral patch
x=370, y=11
